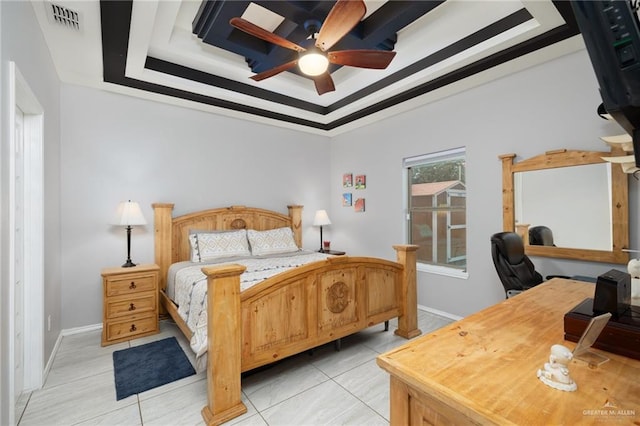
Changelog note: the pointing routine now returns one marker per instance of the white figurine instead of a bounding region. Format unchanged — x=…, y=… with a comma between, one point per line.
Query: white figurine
x=556, y=372
x=633, y=267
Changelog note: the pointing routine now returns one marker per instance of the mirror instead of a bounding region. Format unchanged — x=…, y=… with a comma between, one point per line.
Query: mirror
x=588, y=192
x=573, y=198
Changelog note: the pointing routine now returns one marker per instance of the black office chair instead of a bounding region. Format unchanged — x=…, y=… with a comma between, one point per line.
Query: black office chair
x=514, y=268
x=540, y=236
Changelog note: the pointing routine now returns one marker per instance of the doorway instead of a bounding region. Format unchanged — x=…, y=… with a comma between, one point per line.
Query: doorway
x=26, y=245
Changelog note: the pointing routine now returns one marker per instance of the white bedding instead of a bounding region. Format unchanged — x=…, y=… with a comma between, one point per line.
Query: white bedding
x=187, y=287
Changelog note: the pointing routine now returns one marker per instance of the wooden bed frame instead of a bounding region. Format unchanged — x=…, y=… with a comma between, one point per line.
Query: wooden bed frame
x=284, y=315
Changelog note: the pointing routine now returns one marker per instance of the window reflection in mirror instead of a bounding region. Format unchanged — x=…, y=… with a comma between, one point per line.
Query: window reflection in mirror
x=573, y=202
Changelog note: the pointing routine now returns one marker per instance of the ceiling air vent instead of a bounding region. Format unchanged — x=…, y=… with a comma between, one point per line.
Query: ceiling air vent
x=63, y=16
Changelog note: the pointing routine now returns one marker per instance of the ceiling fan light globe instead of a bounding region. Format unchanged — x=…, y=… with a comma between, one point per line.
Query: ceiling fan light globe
x=313, y=63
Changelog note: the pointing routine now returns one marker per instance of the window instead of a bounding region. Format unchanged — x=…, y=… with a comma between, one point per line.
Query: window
x=437, y=213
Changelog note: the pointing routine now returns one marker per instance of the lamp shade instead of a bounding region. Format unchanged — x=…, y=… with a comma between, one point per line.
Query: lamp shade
x=129, y=214
x=312, y=62
x=321, y=218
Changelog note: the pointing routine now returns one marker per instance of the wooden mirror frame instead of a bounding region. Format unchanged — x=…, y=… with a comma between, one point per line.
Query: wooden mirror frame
x=567, y=158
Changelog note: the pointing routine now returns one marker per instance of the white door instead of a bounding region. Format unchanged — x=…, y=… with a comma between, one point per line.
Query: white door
x=19, y=244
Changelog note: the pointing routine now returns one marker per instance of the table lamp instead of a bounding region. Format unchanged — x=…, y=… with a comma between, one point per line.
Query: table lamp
x=129, y=214
x=321, y=219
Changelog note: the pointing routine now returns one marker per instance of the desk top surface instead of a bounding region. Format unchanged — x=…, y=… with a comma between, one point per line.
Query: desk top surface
x=485, y=364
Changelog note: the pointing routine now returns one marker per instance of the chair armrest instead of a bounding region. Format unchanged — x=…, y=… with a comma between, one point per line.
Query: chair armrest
x=557, y=276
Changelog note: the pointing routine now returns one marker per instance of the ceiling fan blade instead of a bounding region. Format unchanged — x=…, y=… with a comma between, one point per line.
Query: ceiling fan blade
x=262, y=34
x=324, y=83
x=376, y=59
x=274, y=71
x=344, y=15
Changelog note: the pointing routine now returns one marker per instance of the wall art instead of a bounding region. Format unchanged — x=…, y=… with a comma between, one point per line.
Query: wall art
x=347, y=180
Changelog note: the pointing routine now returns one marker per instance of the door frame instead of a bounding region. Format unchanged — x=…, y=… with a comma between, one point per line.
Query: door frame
x=21, y=95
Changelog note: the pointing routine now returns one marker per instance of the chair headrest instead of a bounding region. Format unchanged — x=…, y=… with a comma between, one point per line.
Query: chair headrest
x=510, y=245
x=540, y=236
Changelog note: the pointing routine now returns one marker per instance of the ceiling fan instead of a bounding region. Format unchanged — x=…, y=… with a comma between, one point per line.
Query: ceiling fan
x=313, y=53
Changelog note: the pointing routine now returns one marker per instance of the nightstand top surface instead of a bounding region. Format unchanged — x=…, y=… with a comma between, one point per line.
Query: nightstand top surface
x=334, y=252
x=118, y=270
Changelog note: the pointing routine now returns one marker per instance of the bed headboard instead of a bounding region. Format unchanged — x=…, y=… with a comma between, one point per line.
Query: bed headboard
x=172, y=234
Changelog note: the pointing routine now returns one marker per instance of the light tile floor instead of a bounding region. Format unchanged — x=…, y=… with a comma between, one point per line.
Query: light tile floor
x=322, y=387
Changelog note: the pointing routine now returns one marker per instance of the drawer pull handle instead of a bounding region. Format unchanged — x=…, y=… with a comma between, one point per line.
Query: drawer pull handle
x=132, y=285
x=133, y=328
x=132, y=307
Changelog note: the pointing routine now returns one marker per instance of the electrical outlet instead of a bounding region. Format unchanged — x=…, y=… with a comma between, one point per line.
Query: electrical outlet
x=49, y=323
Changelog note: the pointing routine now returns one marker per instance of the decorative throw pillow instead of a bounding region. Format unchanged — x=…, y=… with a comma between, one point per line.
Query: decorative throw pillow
x=223, y=244
x=193, y=243
x=273, y=241
x=194, y=255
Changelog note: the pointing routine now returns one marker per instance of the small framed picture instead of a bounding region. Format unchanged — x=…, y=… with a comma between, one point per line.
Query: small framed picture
x=347, y=180
x=359, y=205
x=346, y=199
x=361, y=181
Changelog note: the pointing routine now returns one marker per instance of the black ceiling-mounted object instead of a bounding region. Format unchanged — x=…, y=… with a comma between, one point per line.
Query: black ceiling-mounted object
x=611, y=32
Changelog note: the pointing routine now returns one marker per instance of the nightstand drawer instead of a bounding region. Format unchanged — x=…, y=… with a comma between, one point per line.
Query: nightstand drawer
x=121, y=306
x=117, y=286
x=136, y=326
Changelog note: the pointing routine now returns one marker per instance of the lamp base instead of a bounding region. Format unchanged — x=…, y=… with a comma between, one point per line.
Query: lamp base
x=128, y=264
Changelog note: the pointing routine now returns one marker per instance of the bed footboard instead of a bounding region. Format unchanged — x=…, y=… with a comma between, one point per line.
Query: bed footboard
x=296, y=311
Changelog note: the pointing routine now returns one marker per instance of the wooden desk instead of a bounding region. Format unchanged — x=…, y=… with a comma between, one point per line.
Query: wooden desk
x=482, y=369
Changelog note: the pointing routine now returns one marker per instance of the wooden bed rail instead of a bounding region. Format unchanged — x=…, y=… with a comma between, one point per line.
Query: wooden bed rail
x=374, y=291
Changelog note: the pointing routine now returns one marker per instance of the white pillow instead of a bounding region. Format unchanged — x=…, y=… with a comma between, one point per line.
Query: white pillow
x=222, y=244
x=273, y=241
x=193, y=243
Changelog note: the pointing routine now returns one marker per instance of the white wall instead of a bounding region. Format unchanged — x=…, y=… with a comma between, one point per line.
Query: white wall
x=547, y=107
x=22, y=43
x=117, y=147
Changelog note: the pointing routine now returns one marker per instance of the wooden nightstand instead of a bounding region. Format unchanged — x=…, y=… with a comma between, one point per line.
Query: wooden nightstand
x=333, y=252
x=130, y=303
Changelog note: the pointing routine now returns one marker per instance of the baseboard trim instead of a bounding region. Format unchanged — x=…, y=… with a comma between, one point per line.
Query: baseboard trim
x=47, y=367
x=56, y=347
x=441, y=313
x=83, y=329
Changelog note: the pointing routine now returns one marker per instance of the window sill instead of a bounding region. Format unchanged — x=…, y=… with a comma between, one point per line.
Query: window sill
x=442, y=270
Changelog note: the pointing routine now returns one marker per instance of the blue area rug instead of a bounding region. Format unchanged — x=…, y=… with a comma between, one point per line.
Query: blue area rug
x=145, y=367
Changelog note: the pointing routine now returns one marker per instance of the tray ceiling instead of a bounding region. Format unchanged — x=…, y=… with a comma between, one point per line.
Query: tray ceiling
x=186, y=53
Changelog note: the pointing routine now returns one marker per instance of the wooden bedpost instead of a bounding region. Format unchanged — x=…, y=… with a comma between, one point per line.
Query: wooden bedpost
x=295, y=213
x=508, y=215
x=162, y=221
x=408, y=321
x=224, y=351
